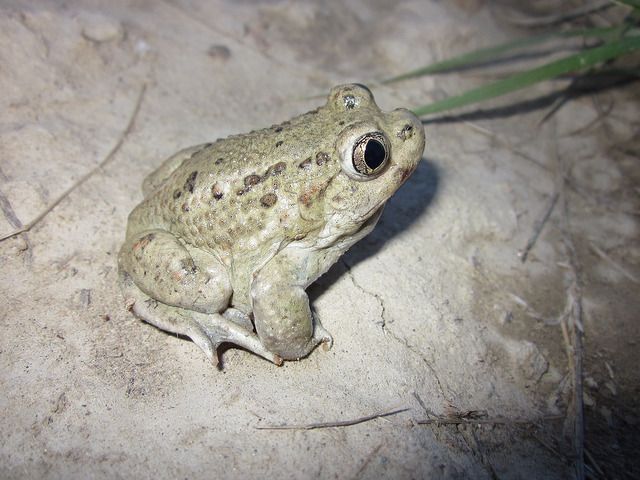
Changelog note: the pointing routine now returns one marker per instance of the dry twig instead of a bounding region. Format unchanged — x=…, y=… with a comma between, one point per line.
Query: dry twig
x=339, y=423
x=478, y=451
x=86, y=176
x=573, y=329
x=602, y=115
x=597, y=250
x=485, y=421
x=538, y=226
x=594, y=464
x=531, y=312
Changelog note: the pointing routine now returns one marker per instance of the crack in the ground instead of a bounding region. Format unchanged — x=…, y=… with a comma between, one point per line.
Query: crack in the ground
x=415, y=351
x=385, y=329
x=383, y=309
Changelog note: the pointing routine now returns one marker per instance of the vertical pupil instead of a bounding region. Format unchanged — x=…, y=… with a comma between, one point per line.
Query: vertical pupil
x=374, y=154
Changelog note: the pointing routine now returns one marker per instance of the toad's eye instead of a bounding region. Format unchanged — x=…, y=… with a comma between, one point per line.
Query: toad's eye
x=364, y=151
x=370, y=153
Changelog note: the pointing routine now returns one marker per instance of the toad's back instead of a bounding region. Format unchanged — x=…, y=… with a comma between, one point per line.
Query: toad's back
x=248, y=192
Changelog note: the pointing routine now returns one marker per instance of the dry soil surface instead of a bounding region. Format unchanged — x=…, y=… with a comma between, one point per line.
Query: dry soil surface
x=434, y=313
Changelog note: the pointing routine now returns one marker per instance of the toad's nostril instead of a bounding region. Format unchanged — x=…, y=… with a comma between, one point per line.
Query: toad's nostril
x=405, y=132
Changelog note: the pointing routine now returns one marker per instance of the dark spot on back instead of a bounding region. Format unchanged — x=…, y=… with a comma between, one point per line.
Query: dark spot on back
x=251, y=180
x=278, y=143
x=341, y=122
x=306, y=198
x=269, y=200
x=219, y=161
x=177, y=194
x=276, y=169
x=306, y=163
x=191, y=182
x=278, y=129
x=185, y=207
x=322, y=158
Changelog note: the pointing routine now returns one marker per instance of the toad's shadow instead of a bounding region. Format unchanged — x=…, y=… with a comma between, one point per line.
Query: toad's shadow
x=405, y=207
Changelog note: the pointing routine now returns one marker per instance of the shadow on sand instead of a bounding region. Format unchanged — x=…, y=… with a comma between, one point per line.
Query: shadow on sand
x=402, y=210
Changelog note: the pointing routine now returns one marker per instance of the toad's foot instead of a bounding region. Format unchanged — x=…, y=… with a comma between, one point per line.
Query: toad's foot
x=207, y=330
x=321, y=335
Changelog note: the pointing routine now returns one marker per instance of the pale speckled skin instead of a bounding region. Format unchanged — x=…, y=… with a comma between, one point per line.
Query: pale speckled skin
x=236, y=230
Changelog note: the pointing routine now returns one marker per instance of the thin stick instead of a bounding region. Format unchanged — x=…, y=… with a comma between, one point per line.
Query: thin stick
x=551, y=449
x=575, y=345
x=593, y=463
x=613, y=263
x=578, y=400
x=87, y=175
x=538, y=227
x=8, y=212
x=339, y=423
x=578, y=355
x=477, y=447
x=424, y=407
x=485, y=421
x=602, y=114
x=530, y=311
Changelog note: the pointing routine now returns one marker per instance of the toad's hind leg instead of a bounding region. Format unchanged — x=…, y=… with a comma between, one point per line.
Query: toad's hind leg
x=182, y=292
x=161, y=266
x=207, y=331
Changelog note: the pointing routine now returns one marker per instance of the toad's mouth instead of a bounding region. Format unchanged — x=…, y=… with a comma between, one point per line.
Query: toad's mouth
x=405, y=173
x=372, y=216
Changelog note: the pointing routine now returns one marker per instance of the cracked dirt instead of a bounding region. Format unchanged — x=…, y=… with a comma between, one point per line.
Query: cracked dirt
x=435, y=312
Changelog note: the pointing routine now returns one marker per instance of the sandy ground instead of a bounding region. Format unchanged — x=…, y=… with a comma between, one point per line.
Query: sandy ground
x=434, y=312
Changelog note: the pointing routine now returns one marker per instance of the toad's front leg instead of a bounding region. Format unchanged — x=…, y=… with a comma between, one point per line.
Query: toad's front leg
x=282, y=315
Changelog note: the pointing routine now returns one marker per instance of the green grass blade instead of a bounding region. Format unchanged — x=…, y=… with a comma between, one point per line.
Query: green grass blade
x=630, y=3
x=581, y=61
x=491, y=53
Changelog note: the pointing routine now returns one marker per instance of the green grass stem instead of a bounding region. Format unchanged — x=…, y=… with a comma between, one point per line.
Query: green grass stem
x=573, y=63
x=492, y=53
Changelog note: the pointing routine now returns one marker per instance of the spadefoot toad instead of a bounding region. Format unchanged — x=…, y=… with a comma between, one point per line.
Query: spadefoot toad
x=230, y=234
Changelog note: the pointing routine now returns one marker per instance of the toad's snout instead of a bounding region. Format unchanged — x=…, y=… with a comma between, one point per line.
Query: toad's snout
x=408, y=127
x=409, y=140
